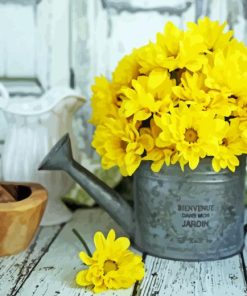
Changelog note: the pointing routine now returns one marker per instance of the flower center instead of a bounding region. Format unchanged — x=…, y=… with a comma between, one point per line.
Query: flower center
x=224, y=142
x=123, y=145
x=233, y=97
x=110, y=265
x=190, y=135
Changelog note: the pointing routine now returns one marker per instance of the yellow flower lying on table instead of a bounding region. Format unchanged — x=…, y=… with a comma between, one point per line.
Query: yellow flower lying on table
x=178, y=99
x=112, y=265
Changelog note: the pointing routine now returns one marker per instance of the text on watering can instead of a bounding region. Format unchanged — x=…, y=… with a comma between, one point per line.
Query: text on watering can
x=195, y=215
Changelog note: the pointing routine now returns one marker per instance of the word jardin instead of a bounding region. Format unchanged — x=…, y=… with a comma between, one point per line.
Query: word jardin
x=178, y=99
x=195, y=223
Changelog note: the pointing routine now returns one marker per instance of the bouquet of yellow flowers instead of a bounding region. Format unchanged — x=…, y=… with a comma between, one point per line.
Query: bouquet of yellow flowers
x=175, y=100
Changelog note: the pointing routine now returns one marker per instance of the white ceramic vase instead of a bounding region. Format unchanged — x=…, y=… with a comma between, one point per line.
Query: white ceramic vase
x=34, y=126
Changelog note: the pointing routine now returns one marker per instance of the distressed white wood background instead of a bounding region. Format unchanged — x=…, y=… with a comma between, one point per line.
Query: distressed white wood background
x=49, y=266
x=62, y=42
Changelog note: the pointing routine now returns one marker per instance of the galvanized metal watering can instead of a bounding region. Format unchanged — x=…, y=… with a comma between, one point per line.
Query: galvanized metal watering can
x=190, y=215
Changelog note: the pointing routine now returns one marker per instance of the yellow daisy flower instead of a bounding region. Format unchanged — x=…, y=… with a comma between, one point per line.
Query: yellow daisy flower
x=212, y=33
x=191, y=55
x=148, y=95
x=228, y=74
x=112, y=265
x=126, y=70
x=220, y=104
x=117, y=141
x=163, y=51
x=231, y=146
x=194, y=132
x=169, y=42
x=149, y=57
x=158, y=155
x=193, y=91
x=103, y=101
x=180, y=49
x=160, y=84
x=173, y=49
x=138, y=101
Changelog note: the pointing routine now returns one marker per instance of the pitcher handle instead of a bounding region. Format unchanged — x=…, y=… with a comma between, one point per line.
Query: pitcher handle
x=4, y=96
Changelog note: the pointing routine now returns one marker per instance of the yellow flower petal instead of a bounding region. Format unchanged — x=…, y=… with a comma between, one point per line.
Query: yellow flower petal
x=157, y=165
x=142, y=115
x=122, y=243
x=85, y=258
x=81, y=278
x=156, y=78
x=234, y=161
x=215, y=165
x=98, y=280
x=231, y=168
x=99, y=241
x=99, y=289
x=193, y=162
x=111, y=236
x=147, y=141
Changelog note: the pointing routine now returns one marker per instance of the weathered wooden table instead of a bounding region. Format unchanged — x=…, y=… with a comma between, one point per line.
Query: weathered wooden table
x=49, y=266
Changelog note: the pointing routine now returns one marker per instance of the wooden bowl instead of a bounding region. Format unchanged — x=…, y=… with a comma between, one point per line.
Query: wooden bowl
x=21, y=209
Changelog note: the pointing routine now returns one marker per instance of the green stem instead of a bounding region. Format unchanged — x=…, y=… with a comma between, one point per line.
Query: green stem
x=77, y=234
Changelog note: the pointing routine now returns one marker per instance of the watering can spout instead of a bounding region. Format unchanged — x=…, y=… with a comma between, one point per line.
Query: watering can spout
x=60, y=158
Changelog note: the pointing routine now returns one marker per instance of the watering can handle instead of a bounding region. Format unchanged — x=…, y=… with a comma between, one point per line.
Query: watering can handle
x=4, y=96
x=242, y=256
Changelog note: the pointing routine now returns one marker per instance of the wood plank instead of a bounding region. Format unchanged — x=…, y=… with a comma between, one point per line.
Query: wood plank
x=56, y=271
x=14, y=270
x=212, y=278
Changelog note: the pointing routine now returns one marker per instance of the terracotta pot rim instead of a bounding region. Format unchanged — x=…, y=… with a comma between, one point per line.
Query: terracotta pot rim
x=32, y=201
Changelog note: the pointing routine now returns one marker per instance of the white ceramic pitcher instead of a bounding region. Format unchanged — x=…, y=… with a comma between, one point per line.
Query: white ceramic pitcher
x=34, y=126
